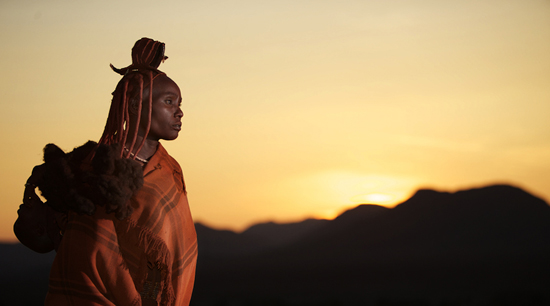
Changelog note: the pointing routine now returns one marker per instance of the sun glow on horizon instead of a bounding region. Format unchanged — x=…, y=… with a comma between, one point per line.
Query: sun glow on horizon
x=331, y=192
x=374, y=198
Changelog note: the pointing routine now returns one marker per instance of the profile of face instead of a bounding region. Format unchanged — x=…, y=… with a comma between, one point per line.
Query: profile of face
x=166, y=113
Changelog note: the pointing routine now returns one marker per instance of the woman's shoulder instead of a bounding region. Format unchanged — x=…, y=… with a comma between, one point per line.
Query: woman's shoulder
x=167, y=158
x=173, y=167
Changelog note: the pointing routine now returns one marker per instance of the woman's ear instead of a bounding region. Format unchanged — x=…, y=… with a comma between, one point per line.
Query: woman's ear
x=133, y=106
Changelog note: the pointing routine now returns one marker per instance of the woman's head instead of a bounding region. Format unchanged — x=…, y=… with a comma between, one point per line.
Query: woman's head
x=142, y=90
x=164, y=122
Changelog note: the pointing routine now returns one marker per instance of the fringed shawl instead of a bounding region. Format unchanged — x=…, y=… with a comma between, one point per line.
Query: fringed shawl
x=104, y=261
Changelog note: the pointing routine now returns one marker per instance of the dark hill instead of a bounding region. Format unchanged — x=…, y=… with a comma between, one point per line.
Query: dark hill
x=223, y=243
x=473, y=244
x=274, y=235
x=256, y=239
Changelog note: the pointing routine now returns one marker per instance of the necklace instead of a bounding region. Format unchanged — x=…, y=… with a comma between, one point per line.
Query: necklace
x=143, y=160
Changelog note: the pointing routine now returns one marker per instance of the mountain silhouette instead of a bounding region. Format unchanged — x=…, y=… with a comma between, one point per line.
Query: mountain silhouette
x=273, y=235
x=479, y=244
x=256, y=239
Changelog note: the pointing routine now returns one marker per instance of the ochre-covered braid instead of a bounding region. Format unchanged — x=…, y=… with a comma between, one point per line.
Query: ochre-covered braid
x=147, y=54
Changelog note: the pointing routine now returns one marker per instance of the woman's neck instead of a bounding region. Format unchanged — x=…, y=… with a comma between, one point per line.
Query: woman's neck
x=149, y=147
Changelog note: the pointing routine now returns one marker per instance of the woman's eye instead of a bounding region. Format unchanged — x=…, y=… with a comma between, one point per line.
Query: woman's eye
x=168, y=101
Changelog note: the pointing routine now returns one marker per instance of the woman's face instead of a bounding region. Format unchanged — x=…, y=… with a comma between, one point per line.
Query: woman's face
x=166, y=114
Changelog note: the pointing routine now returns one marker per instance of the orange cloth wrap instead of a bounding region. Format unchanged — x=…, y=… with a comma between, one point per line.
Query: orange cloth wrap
x=104, y=261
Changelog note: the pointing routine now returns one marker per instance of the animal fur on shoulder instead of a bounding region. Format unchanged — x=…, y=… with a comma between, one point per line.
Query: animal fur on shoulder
x=72, y=183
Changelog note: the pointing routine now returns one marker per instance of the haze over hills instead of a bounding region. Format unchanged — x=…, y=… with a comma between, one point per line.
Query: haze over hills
x=486, y=246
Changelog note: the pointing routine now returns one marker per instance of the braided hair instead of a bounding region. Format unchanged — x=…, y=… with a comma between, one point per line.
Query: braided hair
x=147, y=54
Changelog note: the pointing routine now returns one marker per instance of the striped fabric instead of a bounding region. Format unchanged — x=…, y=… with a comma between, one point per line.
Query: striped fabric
x=103, y=261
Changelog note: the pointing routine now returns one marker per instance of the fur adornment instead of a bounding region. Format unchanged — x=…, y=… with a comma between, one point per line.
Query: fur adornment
x=71, y=182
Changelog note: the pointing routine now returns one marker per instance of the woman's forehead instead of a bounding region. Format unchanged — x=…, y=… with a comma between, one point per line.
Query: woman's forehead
x=164, y=84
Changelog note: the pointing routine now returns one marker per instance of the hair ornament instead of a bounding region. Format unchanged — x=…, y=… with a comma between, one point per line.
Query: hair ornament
x=147, y=54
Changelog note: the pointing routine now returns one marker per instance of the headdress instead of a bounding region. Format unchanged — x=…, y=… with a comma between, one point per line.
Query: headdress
x=146, y=54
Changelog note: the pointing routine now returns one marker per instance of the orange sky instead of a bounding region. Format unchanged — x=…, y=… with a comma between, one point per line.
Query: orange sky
x=293, y=108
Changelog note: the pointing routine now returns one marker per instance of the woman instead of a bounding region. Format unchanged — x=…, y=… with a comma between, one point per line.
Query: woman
x=129, y=238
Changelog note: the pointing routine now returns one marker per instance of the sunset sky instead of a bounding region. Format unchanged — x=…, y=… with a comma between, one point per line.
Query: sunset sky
x=293, y=109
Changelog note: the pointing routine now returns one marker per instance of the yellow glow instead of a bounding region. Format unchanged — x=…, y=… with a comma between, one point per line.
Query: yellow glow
x=326, y=194
x=374, y=198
